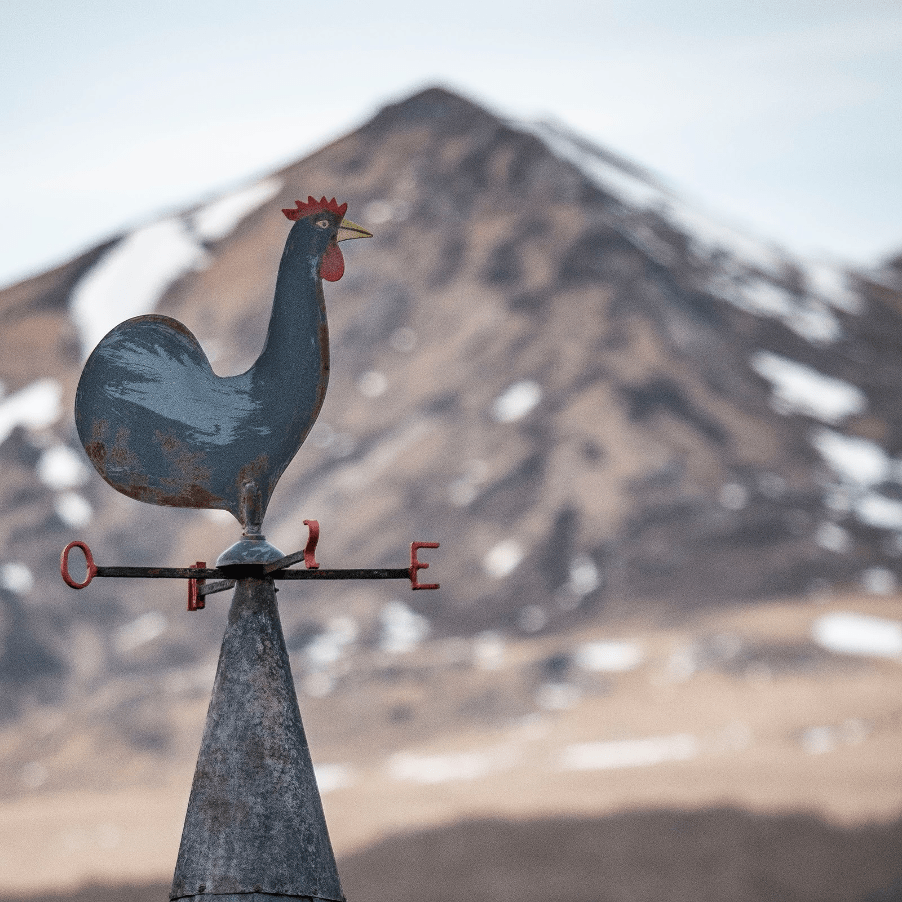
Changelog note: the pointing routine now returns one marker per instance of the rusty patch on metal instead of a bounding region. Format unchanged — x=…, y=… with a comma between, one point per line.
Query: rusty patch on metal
x=169, y=443
x=171, y=324
x=188, y=477
x=193, y=496
x=121, y=455
x=96, y=451
x=252, y=471
x=96, y=447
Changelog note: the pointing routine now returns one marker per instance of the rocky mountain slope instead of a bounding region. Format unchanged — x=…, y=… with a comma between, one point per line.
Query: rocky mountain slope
x=607, y=407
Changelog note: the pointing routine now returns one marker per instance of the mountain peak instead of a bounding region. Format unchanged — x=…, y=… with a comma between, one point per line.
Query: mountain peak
x=432, y=103
x=434, y=106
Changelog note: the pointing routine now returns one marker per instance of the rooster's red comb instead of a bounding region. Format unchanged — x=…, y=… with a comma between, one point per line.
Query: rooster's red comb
x=315, y=206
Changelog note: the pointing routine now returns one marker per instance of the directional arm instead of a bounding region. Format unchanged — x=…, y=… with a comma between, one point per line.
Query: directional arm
x=226, y=577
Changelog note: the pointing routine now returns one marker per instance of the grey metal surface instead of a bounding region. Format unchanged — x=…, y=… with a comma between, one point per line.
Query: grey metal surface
x=160, y=426
x=255, y=822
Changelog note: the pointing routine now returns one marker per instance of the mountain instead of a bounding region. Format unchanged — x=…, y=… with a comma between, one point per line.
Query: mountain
x=609, y=409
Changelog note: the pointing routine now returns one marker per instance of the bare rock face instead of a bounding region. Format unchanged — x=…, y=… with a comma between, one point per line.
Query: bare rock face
x=591, y=394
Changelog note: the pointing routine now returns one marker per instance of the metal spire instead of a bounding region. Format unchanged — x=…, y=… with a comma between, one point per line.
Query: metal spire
x=255, y=822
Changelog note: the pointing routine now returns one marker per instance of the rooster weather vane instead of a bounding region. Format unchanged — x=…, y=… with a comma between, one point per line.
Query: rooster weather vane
x=161, y=427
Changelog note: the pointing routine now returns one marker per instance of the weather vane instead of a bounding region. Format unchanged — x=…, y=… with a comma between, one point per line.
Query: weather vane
x=161, y=427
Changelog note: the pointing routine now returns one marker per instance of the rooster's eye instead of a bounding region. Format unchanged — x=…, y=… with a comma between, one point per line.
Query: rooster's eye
x=322, y=223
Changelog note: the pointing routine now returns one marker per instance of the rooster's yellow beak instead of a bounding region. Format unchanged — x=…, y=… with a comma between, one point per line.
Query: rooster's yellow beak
x=349, y=229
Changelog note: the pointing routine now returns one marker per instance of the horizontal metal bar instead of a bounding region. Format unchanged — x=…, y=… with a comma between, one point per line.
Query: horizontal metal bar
x=162, y=572
x=393, y=573
x=215, y=573
x=222, y=585
x=273, y=570
x=284, y=562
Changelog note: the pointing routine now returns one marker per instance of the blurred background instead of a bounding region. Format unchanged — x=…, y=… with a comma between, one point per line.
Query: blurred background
x=626, y=342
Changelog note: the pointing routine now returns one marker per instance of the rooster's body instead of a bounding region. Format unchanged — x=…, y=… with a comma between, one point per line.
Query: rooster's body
x=160, y=426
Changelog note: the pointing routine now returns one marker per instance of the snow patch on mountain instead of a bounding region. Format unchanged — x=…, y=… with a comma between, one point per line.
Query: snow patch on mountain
x=402, y=629
x=329, y=646
x=831, y=283
x=583, y=577
x=132, y=277
x=60, y=467
x=16, y=577
x=34, y=407
x=609, y=656
x=73, y=509
x=832, y=537
x=620, y=753
x=856, y=461
x=516, y=401
x=761, y=297
x=879, y=511
x=455, y=766
x=502, y=559
x=216, y=220
x=848, y=633
x=330, y=777
x=800, y=389
x=879, y=581
x=813, y=320
x=140, y=631
x=809, y=317
x=712, y=238
x=860, y=466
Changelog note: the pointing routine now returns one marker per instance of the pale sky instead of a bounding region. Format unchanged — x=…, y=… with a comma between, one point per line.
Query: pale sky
x=780, y=115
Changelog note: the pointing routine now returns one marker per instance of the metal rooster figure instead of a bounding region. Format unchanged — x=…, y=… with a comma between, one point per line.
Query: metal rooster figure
x=161, y=427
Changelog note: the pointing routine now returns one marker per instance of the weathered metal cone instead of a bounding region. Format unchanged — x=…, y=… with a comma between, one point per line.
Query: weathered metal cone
x=255, y=827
